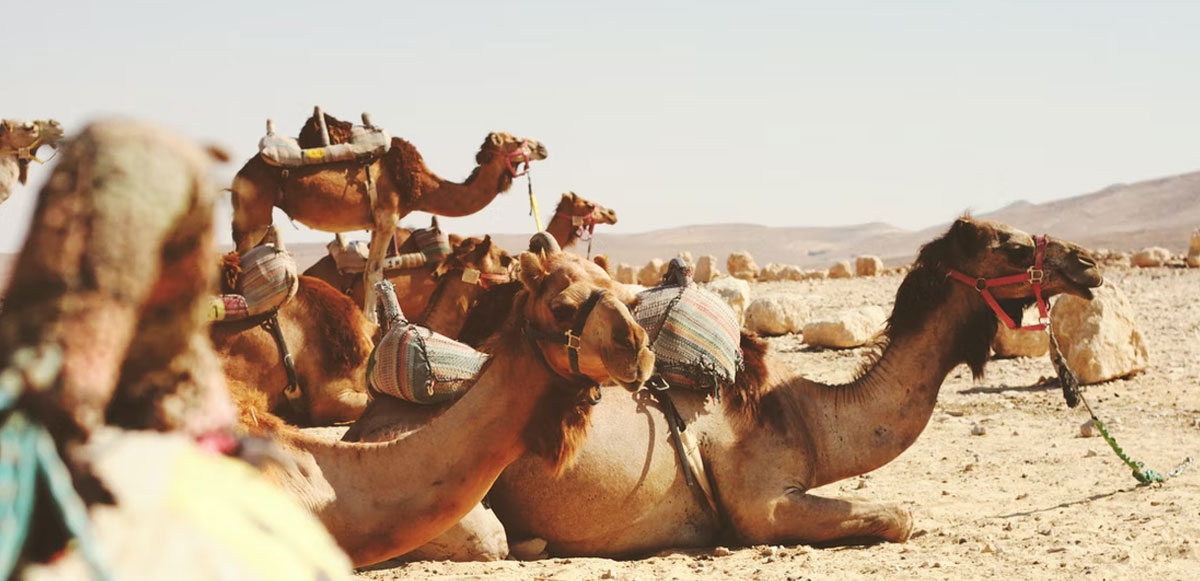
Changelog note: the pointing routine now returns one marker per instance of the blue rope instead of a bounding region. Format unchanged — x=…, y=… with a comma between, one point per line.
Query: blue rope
x=27, y=451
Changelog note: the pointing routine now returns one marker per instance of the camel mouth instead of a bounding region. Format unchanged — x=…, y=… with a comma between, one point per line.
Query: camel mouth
x=1081, y=282
x=631, y=386
x=540, y=152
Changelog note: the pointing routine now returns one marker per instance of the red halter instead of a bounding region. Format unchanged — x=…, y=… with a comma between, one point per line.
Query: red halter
x=523, y=151
x=583, y=224
x=485, y=279
x=1034, y=276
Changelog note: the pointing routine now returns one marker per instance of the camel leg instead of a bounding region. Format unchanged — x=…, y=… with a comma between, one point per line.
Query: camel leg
x=384, y=228
x=802, y=517
x=251, y=213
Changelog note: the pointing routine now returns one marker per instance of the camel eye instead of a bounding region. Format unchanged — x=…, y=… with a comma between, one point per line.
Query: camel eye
x=1017, y=250
x=563, y=313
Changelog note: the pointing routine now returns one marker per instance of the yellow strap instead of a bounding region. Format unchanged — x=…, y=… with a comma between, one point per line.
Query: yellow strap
x=537, y=216
x=26, y=152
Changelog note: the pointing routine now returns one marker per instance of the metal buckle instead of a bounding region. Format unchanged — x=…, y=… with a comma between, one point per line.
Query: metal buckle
x=981, y=284
x=574, y=341
x=470, y=276
x=577, y=220
x=1036, y=274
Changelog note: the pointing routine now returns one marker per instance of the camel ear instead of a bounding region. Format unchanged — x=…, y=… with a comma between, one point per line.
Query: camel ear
x=486, y=245
x=966, y=238
x=495, y=138
x=433, y=223
x=601, y=260
x=532, y=271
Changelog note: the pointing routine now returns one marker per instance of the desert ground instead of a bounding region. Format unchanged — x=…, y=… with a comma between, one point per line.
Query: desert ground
x=1030, y=498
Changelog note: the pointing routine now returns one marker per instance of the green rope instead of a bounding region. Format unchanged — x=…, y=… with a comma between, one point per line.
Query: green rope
x=1074, y=395
x=27, y=452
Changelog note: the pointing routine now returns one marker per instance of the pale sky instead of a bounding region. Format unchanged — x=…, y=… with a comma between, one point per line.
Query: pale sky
x=672, y=113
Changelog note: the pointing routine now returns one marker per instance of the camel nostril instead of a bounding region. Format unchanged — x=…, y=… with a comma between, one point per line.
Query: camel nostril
x=1087, y=261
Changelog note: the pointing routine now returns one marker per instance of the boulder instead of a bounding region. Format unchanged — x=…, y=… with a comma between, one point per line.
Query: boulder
x=868, y=266
x=776, y=315
x=706, y=269
x=741, y=265
x=687, y=258
x=1193, y=255
x=851, y=328
x=625, y=273
x=735, y=292
x=652, y=273
x=1099, y=338
x=790, y=272
x=1017, y=343
x=1152, y=256
x=771, y=272
x=841, y=270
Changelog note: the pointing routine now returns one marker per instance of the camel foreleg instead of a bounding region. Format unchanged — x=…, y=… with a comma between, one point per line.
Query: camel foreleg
x=384, y=229
x=802, y=517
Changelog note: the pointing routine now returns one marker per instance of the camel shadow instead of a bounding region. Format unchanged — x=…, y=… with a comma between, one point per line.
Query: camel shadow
x=989, y=389
x=1070, y=503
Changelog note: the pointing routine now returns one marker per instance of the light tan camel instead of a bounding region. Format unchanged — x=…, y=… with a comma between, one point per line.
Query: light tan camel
x=113, y=277
x=576, y=215
x=335, y=197
x=19, y=145
x=383, y=500
x=775, y=436
x=330, y=341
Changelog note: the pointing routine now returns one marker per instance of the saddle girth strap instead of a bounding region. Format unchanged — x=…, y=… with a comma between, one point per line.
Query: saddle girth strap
x=693, y=466
x=292, y=391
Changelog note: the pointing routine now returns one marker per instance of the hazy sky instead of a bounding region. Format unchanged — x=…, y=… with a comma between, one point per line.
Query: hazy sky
x=672, y=113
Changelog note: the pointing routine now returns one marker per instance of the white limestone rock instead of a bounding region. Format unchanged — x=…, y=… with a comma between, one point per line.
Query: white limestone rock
x=1193, y=255
x=841, y=270
x=776, y=315
x=1152, y=256
x=868, y=266
x=1016, y=343
x=625, y=274
x=706, y=269
x=771, y=272
x=652, y=273
x=741, y=265
x=734, y=291
x=1099, y=338
x=844, y=329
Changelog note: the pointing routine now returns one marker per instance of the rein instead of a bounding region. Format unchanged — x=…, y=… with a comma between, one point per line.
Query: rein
x=1034, y=276
x=573, y=340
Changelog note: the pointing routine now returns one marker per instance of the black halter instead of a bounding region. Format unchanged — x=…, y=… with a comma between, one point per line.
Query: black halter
x=573, y=340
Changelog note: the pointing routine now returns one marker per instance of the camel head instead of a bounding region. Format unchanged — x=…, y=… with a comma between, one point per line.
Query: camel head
x=587, y=212
x=612, y=346
x=482, y=255
x=31, y=134
x=509, y=151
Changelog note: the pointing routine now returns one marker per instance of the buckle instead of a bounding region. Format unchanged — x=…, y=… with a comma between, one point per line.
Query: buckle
x=1036, y=274
x=981, y=284
x=574, y=341
x=470, y=276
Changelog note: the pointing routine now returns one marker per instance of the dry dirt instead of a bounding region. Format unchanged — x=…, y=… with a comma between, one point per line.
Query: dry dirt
x=1028, y=499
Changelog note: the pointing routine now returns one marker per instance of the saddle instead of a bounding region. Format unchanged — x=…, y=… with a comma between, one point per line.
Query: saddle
x=366, y=141
x=695, y=336
x=268, y=279
x=415, y=364
x=351, y=257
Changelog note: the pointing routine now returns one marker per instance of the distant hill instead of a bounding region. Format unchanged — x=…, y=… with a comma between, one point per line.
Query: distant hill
x=1159, y=212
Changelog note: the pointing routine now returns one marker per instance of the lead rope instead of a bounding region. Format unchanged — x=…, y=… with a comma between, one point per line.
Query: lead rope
x=27, y=450
x=1074, y=395
x=533, y=207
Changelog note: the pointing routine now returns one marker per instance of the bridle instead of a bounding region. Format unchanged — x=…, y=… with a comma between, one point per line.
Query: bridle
x=521, y=151
x=1035, y=275
x=582, y=224
x=27, y=153
x=573, y=340
x=472, y=276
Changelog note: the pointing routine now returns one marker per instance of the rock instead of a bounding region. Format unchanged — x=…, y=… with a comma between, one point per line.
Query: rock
x=841, y=270
x=776, y=315
x=735, y=292
x=771, y=272
x=791, y=272
x=1193, y=255
x=722, y=552
x=687, y=258
x=1088, y=429
x=816, y=275
x=1099, y=338
x=978, y=430
x=624, y=273
x=850, y=328
x=652, y=273
x=741, y=265
x=868, y=266
x=1016, y=343
x=1152, y=256
x=706, y=269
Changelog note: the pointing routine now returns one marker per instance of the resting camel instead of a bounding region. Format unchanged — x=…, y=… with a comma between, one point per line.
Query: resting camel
x=528, y=398
x=335, y=197
x=105, y=333
x=19, y=144
x=774, y=436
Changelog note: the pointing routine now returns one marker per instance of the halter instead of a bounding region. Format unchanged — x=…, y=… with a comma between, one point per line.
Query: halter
x=582, y=224
x=525, y=151
x=573, y=340
x=26, y=153
x=486, y=280
x=1034, y=275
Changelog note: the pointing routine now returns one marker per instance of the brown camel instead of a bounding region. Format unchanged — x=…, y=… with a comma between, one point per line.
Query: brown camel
x=19, y=145
x=107, y=342
x=528, y=398
x=774, y=435
x=576, y=215
x=330, y=341
x=335, y=197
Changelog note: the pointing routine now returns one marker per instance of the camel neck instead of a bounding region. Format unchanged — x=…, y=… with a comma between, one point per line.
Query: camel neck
x=449, y=305
x=446, y=198
x=863, y=425
x=563, y=231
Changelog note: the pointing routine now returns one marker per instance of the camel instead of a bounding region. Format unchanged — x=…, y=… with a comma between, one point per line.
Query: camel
x=576, y=215
x=774, y=436
x=330, y=341
x=19, y=145
x=105, y=344
x=339, y=197
x=530, y=397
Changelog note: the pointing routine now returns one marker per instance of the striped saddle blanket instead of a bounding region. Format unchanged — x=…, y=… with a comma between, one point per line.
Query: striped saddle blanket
x=268, y=279
x=418, y=365
x=694, y=334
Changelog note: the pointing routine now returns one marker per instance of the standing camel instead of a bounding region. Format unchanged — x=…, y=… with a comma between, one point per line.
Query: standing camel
x=774, y=436
x=380, y=500
x=19, y=144
x=336, y=197
x=576, y=215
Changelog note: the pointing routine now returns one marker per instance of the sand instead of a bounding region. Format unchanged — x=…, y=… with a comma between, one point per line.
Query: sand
x=1028, y=499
